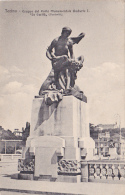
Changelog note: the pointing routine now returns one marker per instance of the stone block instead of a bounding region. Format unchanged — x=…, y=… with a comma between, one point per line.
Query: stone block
x=48, y=141
x=83, y=152
x=72, y=153
x=15, y=176
x=45, y=162
x=88, y=144
x=25, y=176
x=40, y=114
x=69, y=178
x=25, y=152
x=47, y=148
x=84, y=170
x=32, y=151
x=60, y=152
x=67, y=118
x=70, y=141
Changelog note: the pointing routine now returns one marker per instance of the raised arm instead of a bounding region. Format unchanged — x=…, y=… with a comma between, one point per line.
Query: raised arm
x=76, y=40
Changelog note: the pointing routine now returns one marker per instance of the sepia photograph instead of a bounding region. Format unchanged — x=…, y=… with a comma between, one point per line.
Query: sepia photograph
x=62, y=97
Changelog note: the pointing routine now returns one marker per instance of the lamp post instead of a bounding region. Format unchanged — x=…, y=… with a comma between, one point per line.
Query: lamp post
x=118, y=123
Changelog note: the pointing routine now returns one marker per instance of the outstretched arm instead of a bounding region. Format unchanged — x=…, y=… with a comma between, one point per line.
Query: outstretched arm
x=76, y=40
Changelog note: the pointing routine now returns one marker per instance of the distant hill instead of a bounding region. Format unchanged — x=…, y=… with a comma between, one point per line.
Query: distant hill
x=7, y=135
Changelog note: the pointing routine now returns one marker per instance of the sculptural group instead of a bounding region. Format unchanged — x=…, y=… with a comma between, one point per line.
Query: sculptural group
x=64, y=66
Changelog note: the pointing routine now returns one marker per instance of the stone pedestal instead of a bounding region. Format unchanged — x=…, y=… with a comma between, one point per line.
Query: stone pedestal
x=66, y=118
x=59, y=139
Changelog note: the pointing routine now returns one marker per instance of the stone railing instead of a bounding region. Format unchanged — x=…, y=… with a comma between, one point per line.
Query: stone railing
x=90, y=171
x=10, y=156
x=103, y=171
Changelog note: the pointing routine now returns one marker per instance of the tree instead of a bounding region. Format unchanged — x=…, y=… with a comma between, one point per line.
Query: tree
x=26, y=132
x=7, y=135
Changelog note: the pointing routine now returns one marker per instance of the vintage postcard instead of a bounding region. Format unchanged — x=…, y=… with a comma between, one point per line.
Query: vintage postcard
x=62, y=74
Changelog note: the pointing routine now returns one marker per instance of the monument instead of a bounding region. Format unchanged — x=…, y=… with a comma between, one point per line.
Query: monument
x=59, y=135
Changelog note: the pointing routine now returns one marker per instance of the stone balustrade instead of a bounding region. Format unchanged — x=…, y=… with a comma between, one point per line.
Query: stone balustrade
x=103, y=171
x=89, y=171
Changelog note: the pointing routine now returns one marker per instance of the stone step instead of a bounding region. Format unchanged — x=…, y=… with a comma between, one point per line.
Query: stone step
x=46, y=178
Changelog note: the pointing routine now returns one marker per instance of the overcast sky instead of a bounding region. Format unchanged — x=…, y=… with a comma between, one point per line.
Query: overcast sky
x=24, y=66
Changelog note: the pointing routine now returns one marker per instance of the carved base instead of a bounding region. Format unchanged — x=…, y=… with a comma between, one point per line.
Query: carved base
x=69, y=167
x=26, y=165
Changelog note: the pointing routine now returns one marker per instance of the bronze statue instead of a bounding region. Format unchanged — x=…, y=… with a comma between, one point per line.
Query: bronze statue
x=64, y=67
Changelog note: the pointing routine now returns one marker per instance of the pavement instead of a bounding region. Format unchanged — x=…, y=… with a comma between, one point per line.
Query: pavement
x=10, y=186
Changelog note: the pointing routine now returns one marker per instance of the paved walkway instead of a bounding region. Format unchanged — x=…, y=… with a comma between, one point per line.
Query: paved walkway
x=10, y=186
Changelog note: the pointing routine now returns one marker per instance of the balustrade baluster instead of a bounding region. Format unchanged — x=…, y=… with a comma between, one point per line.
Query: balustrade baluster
x=105, y=171
x=122, y=173
x=119, y=174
